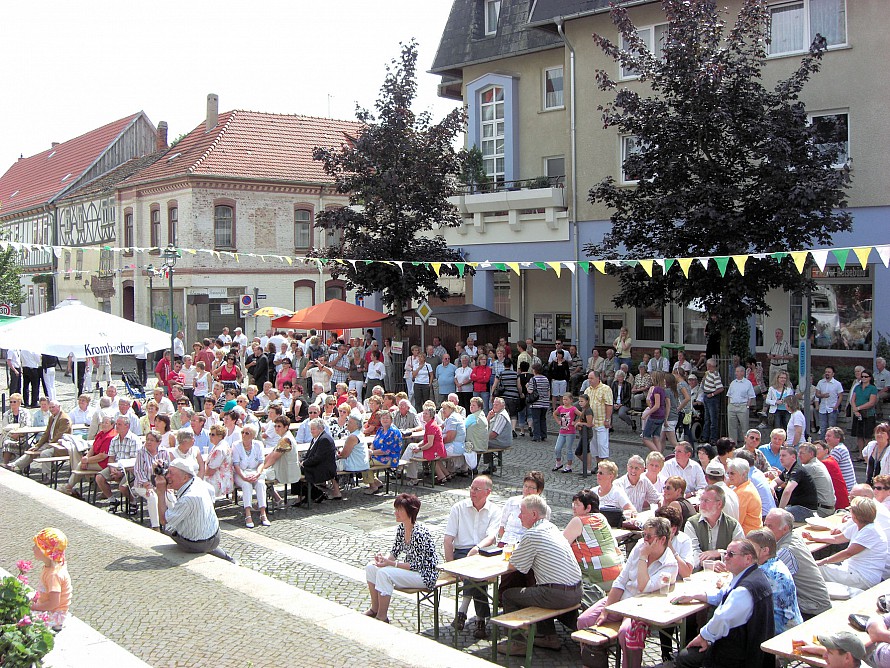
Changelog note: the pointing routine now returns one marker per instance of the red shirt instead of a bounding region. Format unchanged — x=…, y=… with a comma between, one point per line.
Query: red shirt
x=162, y=369
x=102, y=443
x=841, y=496
x=438, y=449
x=172, y=379
x=206, y=355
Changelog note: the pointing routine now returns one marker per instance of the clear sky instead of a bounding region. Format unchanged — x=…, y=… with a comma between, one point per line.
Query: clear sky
x=69, y=67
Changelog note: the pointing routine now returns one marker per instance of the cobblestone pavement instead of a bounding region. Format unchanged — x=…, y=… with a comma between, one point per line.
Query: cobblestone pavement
x=322, y=550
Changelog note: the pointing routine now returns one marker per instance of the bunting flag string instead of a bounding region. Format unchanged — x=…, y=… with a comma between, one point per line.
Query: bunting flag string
x=738, y=262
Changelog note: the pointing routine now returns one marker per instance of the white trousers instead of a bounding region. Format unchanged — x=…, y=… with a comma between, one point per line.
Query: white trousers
x=49, y=379
x=841, y=573
x=258, y=488
x=389, y=578
x=151, y=502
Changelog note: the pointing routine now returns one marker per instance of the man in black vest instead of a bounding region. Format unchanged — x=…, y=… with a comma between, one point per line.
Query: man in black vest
x=743, y=617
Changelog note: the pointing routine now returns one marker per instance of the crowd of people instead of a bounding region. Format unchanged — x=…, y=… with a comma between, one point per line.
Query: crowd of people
x=236, y=414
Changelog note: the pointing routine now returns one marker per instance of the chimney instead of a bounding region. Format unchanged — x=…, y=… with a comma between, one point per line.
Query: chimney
x=212, y=111
x=54, y=144
x=162, y=136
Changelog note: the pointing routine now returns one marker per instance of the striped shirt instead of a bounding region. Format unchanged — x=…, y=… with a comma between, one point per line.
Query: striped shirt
x=711, y=382
x=145, y=463
x=842, y=456
x=545, y=549
x=193, y=516
x=123, y=448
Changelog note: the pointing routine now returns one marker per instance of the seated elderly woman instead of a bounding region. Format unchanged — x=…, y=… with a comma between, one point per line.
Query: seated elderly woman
x=218, y=468
x=593, y=545
x=338, y=424
x=432, y=449
x=386, y=448
x=247, y=460
x=648, y=563
x=319, y=464
x=611, y=495
x=283, y=461
x=417, y=571
x=147, y=421
x=354, y=454
x=454, y=435
x=861, y=563
x=185, y=448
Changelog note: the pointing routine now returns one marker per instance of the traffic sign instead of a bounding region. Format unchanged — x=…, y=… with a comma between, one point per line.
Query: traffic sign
x=5, y=309
x=424, y=310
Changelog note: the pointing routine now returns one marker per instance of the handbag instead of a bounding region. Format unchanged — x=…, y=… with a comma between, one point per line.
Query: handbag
x=532, y=395
x=858, y=622
x=687, y=418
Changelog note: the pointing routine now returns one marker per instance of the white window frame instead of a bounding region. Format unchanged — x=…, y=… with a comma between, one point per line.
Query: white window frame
x=562, y=92
x=835, y=112
x=497, y=176
x=807, y=29
x=628, y=75
x=492, y=6
x=546, y=161
x=622, y=154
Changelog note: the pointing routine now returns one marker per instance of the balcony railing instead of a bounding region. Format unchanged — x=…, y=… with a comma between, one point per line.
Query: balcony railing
x=510, y=186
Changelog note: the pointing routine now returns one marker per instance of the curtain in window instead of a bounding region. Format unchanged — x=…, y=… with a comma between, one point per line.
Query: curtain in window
x=553, y=87
x=829, y=19
x=787, y=28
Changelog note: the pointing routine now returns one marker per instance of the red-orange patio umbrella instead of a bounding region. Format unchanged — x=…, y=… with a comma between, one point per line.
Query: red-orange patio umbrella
x=332, y=314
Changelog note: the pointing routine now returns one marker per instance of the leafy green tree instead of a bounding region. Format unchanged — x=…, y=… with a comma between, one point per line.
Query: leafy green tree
x=726, y=165
x=398, y=172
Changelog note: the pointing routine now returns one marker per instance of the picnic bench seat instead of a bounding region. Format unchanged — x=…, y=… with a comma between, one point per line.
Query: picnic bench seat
x=431, y=596
x=56, y=464
x=605, y=636
x=528, y=618
x=91, y=490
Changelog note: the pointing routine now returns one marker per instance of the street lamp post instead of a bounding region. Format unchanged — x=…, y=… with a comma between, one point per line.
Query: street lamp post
x=170, y=255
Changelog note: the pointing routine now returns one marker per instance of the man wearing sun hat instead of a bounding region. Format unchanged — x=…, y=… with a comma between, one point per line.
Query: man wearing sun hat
x=191, y=522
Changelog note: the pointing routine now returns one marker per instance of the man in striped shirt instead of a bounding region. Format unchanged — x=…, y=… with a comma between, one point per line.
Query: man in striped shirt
x=192, y=521
x=712, y=388
x=834, y=438
x=557, y=574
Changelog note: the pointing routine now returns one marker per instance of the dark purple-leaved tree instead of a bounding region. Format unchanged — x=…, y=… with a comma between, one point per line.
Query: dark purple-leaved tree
x=398, y=173
x=726, y=164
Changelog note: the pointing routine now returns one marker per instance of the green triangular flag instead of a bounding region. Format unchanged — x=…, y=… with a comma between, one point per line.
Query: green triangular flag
x=324, y=260
x=367, y=261
x=668, y=263
x=778, y=257
x=630, y=263
x=460, y=268
x=722, y=263
x=500, y=266
x=541, y=265
x=417, y=263
x=585, y=266
x=841, y=255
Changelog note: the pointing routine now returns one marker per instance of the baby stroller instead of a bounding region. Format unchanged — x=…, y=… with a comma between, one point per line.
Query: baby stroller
x=135, y=389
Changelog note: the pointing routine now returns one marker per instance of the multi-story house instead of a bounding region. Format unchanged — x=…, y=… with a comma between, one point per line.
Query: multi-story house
x=31, y=189
x=526, y=72
x=240, y=185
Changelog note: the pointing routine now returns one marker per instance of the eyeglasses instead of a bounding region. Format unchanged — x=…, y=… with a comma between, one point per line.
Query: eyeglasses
x=730, y=553
x=881, y=489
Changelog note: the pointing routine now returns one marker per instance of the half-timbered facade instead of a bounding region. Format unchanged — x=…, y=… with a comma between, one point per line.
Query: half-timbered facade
x=31, y=188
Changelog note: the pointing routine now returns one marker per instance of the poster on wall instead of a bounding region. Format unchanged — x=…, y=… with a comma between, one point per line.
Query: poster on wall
x=397, y=347
x=543, y=327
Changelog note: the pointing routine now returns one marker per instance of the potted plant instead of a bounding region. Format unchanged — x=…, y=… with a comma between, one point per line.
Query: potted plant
x=24, y=638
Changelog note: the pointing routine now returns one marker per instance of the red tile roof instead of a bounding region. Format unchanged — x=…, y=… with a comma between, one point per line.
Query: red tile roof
x=38, y=179
x=253, y=145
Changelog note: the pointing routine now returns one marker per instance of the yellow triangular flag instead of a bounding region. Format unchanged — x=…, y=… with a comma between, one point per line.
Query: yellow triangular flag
x=800, y=259
x=473, y=264
x=740, y=261
x=862, y=253
x=685, y=263
x=647, y=266
x=436, y=267
x=599, y=265
x=514, y=266
x=556, y=266
x=288, y=260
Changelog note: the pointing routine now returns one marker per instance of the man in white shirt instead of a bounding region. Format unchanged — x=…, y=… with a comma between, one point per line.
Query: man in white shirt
x=124, y=409
x=240, y=338
x=830, y=393
x=566, y=355
x=658, y=363
x=179, y=345
x=165, y=406
x=687, y=468
x=224, y=337
x=779, y=354
x=470, y=522
x=682, y=362
x=639, y=488
x=741, y=395
x=881, y=379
